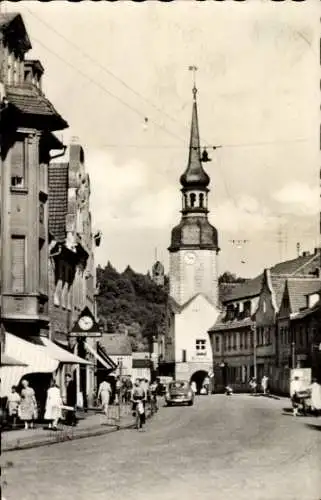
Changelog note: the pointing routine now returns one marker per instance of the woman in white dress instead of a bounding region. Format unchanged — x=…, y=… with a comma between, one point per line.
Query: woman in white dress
x=53, y=411
x=104, y=393
x=315, y=397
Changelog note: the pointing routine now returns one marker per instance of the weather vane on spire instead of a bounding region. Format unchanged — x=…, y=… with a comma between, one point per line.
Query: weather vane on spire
x=194, y=69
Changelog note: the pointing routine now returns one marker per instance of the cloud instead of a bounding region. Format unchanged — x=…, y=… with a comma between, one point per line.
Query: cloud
x=298, y=198
x=246, y=215
x=129, y=193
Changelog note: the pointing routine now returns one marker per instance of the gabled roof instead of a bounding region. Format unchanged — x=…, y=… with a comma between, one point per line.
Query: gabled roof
x=58, y=199
x=299, y=288
x=28, y=100
x=231, y=324
x=116, y=344
x=14, y=30
x=289, y=268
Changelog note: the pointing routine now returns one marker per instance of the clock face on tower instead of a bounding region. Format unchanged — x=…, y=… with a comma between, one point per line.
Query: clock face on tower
x=190, y=258
x=85, y=323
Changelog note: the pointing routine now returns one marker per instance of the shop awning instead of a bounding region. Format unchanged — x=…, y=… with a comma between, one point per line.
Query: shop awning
x=34, y=357
x=103, y=359
x=62, y=355
x=39, y=356
x=8, y=361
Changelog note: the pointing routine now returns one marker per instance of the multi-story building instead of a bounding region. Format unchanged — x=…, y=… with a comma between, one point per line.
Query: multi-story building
x=71, y=268
x=244, y=338
x=193, y=280
x=298, y=329
x=28, y=120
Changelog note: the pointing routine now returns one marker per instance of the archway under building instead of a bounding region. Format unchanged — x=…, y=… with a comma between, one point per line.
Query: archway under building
x=199, y=377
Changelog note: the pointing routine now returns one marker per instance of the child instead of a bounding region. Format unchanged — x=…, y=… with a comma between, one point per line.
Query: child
x=13, y=405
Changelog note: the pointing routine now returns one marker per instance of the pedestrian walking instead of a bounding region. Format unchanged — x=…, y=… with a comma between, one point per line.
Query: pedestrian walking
x=295, y=388
x=138, y=398
x=264, y=384
x=118, y=390
x=315, y=389
x=104, y=393
x=13, y=403
x=71, y=399
x=253, y=385
x=28, y=411
x=53, y=412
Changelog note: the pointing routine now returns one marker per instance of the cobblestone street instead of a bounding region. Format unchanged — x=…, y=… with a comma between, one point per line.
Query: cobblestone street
x=240, y=447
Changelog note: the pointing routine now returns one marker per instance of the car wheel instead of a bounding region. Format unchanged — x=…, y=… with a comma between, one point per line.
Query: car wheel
x=190, y=403
x=168, y=404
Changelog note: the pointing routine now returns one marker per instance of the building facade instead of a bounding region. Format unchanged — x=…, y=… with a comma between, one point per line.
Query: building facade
x=71, y=266
x=28, y=145
x=245, y=336
x=299, y=330
x=193, y=280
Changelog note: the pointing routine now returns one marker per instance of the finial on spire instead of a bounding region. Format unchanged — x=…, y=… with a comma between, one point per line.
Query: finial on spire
x=194, y=69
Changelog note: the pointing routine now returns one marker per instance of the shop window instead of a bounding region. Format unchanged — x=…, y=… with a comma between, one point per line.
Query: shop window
x=18, y=263
x=18, y=165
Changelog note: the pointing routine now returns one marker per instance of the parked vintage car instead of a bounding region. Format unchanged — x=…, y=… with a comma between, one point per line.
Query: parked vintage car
x=179, y=392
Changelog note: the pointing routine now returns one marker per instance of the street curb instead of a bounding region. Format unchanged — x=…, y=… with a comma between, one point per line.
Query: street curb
x=62, y=439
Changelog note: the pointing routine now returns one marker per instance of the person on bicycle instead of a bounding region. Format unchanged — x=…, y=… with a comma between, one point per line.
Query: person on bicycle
x=138, y=398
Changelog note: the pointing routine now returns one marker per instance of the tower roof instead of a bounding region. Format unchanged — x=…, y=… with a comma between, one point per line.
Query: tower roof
x=194, y=175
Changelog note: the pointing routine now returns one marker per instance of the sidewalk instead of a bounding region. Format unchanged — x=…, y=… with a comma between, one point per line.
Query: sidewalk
x=94, y=424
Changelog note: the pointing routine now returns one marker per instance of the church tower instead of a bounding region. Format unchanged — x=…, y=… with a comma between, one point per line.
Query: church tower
x=194, y=242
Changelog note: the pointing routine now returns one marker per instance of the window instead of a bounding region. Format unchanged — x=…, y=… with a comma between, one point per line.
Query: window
x=41, y=213
x=226, y=342
x=201, y=347
x=10, y=68
x=193, y=199
x=246, y=338
x=217, y=343
x=18, y=164
x=229, y=339
x=235, y=341
x=201, y=200
x=18, y=263
x=268, y=335
x=242, y=340
x=184, y=355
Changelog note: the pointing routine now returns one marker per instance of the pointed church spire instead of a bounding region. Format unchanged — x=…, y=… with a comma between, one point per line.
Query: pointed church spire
x=194, y=175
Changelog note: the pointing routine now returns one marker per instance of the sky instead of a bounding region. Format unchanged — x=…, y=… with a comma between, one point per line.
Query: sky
x=108, y=65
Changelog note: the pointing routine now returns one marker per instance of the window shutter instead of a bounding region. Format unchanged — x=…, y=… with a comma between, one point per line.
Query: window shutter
x=18, y=263
x=17, y=159
x=18, y=164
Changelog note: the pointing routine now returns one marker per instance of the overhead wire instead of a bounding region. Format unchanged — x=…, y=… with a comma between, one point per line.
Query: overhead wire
x=207, y=144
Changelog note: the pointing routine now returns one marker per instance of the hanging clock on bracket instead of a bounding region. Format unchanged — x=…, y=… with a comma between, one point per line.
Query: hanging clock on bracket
x=85, y=323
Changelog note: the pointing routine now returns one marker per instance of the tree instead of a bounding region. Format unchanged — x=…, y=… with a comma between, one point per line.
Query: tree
x=228, y=277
